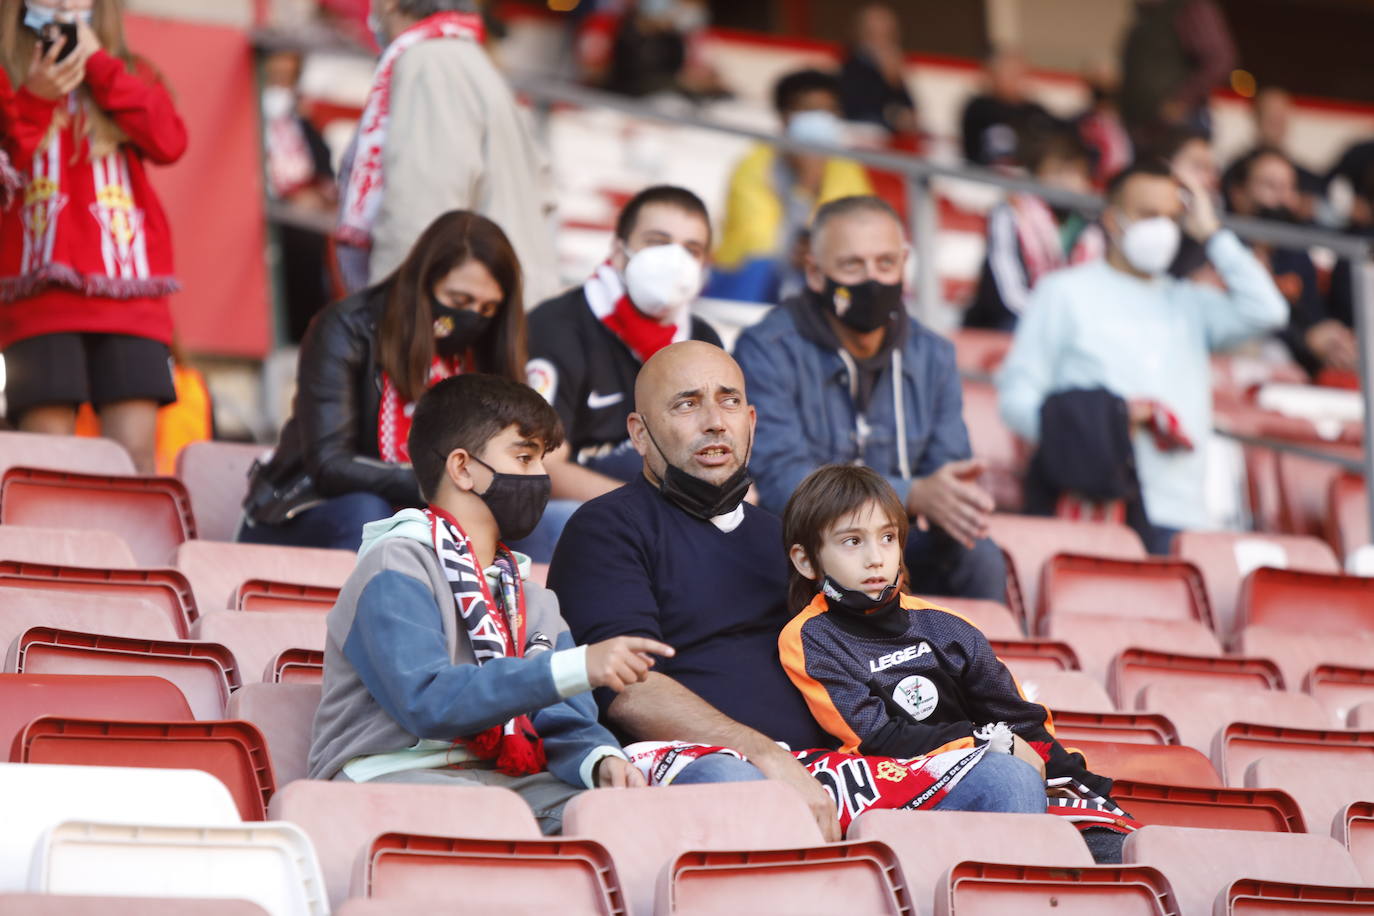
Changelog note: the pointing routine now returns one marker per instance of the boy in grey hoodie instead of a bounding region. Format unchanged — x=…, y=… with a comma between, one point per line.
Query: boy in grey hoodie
x=443, y=663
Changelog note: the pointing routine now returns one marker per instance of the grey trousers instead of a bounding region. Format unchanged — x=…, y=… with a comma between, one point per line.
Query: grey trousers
x=545, y=793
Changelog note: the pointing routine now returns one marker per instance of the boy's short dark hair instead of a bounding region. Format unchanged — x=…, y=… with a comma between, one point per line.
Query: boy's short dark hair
x=465, y=412
x=798, y=83
x=1041, y=144
x=1153, y=168
x=681, y=198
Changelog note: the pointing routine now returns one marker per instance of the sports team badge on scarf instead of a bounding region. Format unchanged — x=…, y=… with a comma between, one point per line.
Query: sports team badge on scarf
x=394, y=412
x=363, y=195
x=496, y=629
x=610, y=303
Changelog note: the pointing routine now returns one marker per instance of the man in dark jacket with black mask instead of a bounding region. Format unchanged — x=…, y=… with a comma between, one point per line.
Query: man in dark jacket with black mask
x=842, y=374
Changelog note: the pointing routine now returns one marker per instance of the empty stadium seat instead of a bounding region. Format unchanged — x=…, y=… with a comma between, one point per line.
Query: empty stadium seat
x=38, y=797
x=151, y=514
x=342, y=818
x=1322, y=789
x=77, y=454
x=95, y=905
x=1028, y=541
x=1267, y=809
x=928, y=843
x=994, y=618
x=216, y=569
x=204, y=672
x=1067, y=690
x=1133, y=669
x=1340, y=689
x=25, y=697
x=1355, y=828
x=1347, y=515
x=644, y=829
x=262, y=595
x=216, y=476
x=256, y=639
x=1126, y=727
x=974, y=888
x=23, y=608
x=270, y=864
x=1202, y=864
x=1240, y=744
x=855, y=877
x=980, y=349
x=991, y=440
x=1362, y=716
x=1162, y=589
x=295, y=666
x=1304, y=485
x=553, y=875
x=1173, y=764
x=233, y=751
x=1098, y=639
x=165, y=588
x=285, y=714
x=1307, y=602
x=1298, y=653
x=1028, y=658
x=1226, y=557
x=65, y=547
x=1201, y=714
x=1248, y=897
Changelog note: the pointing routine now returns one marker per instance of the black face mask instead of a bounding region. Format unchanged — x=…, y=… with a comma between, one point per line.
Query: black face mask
x=854, y=600
x=699, y=498
x=516, y=501
x=865, y=306
x=464, y=326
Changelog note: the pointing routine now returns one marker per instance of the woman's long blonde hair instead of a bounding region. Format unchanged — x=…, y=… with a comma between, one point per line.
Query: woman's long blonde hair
x=16, y=53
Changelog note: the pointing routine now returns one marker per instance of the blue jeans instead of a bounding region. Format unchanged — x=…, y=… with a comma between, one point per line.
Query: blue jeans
x=998, y=782
x=335, y=523
x=717, y=768
x=540, y=542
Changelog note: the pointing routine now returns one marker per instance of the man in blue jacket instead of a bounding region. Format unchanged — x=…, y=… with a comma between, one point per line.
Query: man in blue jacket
x=843, y=374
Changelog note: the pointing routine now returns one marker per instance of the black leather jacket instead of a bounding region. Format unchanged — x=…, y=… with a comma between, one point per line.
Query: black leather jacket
x=329, y=446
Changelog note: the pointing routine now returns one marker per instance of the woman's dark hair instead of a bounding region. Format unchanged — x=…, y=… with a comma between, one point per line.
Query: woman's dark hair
x=827, y=495
x=406, y=344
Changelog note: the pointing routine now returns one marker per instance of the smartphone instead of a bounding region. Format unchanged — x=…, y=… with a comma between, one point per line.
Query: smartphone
x=54, y=32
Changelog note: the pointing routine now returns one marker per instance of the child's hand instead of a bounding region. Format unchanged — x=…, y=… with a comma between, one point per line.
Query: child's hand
x=617, y=663
x=615, y=773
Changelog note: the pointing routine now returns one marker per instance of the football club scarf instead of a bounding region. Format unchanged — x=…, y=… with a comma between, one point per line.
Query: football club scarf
x=610, y=303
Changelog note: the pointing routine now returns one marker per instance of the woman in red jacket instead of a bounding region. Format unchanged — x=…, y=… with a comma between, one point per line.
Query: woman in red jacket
x=85, y=251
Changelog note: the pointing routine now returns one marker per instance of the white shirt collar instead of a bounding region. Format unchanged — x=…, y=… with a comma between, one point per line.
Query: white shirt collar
x=730, y=520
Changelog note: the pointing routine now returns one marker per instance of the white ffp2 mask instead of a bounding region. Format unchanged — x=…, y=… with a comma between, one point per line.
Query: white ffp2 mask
x=662, y=280
x=1150, y=245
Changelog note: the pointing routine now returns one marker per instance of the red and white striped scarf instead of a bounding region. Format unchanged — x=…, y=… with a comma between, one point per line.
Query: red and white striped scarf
x=363, y=195
x=610, y=303
x=1042, y=248
x=394, y=412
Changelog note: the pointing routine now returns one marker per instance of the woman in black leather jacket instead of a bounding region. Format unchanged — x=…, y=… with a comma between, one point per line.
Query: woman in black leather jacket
x=454, y=305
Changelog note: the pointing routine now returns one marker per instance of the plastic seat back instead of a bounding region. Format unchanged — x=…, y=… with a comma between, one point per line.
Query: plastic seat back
x=1270, y=809
x=1298, y=653
x=151, y=514
x=1098, y=639
x=993, y=618
x=1172, y=764
x=1201, y=864
x=1347, y=515
x=1201, y=714
x=1304, y=483
x=76, y=454
x=65, y=547
x=295, y=666
x=1225, y=558
x=25, y=697
x=216, y=476
x=342, y=818
x=1074, y=690
x=263, y=595
x=1028, y=541
x=256, y=639
x=269, y=864
x=1248, y=897
x=1126, y=727
x=22, y=608
x=1307, y=602
x=1133, y=669
x=1323, y=790
x=1164, y=589
x=1028, y=658
x=1361, y=717
x=644, y=829
x=232, y=751
x=38, y=797
x=216, y=569
x=1355, y=828
x=165, y=588
x=285, y=714
x=994, y=442
x=1240, y=744
x=204, y=672
x=96, y=905
x=973, y=888
x=1340, y=689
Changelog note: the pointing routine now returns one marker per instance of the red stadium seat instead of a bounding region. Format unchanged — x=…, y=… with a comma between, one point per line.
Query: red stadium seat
x=1074, y=690
x=1028, y=541
x=1307, y=602
x=861, y=877
x=23, y=608
x=1347, y=515
x=256, y=639
x=1269, y=810
x=1125, y=727
x=285, y=715
x=233, y=752
x=1304, y=485
x=1248, y=897
x=1162, y=589
x=1201, y=714
x=1322, y=790
x=262, y=595
x=979, y=349
x=973, y=888
x=552, y=875
x=1028, y=658
x=1202, y=864
x=342, y=818
x=1340, y=689
x=1098, y=639
x=216, y=569
x=1241, y=744
x=216, y=476
x=1171, y=764
x=65, y=547
x=1133, y=669
x=295, y=666
x=151, y=514
x=165, y=588
x=644, y=829
x=76, y=454
x=991, y=440
x=1361, y=717
x=1355, y=828
x=1225, y=557
x=1297, y=653
x=92, y=905
x=205, y=673
x=994, y=618
x=25, y=697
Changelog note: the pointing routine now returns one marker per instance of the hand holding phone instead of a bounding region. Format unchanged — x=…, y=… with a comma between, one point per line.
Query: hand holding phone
x=62, y=34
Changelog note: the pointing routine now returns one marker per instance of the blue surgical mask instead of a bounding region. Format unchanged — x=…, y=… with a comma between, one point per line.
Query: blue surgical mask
x=816, y=126
x=38, y=17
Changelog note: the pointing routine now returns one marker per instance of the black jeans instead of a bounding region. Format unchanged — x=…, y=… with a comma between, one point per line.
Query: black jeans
x=940, y=565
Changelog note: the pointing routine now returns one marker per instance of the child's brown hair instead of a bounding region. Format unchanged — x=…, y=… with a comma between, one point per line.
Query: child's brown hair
x=827, y=495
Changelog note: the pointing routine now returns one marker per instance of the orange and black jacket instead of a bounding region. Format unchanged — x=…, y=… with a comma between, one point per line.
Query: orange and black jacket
x=913, y=680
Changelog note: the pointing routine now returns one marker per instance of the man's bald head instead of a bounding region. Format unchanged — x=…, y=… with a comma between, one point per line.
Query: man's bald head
x=691, y=411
